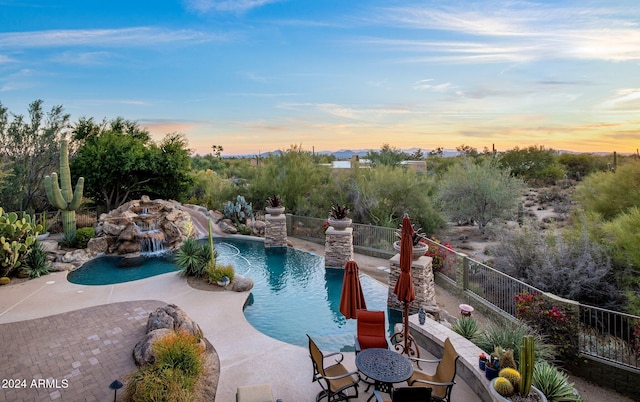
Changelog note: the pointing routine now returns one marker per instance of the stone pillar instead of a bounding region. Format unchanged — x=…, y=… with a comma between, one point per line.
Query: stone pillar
x=423, y=283
x=275, y=231
x=338, y=247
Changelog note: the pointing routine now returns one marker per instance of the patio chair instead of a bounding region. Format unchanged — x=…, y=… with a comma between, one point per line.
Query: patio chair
x=442, y=381
x=255, y=393
x=406, y=394
x=334, y=379
x=371, y=330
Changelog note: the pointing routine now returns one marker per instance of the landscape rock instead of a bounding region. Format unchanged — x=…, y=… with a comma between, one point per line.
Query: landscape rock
x=143, y=353
x=227, y=227
x=172, y=317
x=49, y=245
x=242, y=284
x=62, y=266
x=98, y=245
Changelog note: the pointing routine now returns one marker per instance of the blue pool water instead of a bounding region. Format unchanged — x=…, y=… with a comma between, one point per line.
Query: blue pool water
x=293, y=293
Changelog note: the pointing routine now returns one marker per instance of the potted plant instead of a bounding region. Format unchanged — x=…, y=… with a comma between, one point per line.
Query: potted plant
x=419, y=248
x=512, y=384
x=339, y=217
x=482, y=361
x=274, y=205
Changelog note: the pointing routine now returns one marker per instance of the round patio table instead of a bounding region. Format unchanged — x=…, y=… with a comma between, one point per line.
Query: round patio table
x=385, y=367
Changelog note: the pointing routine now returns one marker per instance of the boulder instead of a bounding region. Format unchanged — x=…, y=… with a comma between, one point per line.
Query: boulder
x=241, y=283
x=258, y=227
x=98, y=245
x=77, y=257
x=216, y=216
x=112, y=228
x=143, y=351
x=172, y=317
x=227, y=227
x=129, y=233
x=128, y=247
x=62, y=266
x=49, y=245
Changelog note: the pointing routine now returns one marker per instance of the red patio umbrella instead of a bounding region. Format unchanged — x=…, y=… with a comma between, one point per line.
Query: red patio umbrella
x=352, y=298
x=404, y=289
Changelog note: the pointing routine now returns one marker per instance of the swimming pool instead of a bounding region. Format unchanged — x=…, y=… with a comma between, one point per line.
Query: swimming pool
x=293, y=293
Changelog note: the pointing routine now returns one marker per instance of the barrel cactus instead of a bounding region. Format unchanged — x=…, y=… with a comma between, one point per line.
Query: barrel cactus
x=512, y=375
x=63, y=196
x=503, y=387
x=4, y=280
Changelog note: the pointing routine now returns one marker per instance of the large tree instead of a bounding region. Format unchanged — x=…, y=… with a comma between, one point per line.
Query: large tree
x=534, y=164
x=122, y=164
x=479, y=192
x=29, y=151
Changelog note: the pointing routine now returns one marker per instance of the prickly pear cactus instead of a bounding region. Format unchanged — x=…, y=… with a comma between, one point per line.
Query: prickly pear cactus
x=503, y=386
x=17, y=235
x=64, y=197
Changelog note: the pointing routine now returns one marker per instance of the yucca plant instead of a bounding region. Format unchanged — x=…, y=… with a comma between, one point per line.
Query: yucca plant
x=467, y=327
x=192, y=257
x=554, y=384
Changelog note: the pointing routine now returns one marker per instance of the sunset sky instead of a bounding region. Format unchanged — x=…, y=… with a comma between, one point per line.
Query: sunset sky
x=261, y=75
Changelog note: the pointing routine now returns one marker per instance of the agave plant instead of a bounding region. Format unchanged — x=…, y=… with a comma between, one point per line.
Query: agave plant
x=467, y=327
x=554, y=384
x=274, y=201
x=193, y=257
x=36, y=261
x=338, y=212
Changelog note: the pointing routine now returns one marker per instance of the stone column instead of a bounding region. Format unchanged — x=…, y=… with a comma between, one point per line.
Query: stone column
x=423, y=283
x=275, y=231
x=338, y=247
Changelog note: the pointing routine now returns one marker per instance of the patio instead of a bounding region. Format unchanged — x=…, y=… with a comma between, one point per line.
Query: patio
x=95, y=349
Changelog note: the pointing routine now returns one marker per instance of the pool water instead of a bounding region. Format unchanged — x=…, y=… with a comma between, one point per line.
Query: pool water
x=106, y=270
x=293, y=293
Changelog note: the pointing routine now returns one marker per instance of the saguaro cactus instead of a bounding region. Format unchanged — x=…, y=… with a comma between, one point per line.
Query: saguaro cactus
x=65, y=199
x=526, y=364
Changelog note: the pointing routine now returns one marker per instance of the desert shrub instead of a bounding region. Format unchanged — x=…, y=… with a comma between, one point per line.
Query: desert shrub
x=180, y=351
x=36, y=261
x=179, y=365
x=467, y=327
x=567, y=264
x=83, y=235
x=217, y=272
x=193, y=256
x=554, y=384
x=509, y=336
x=152, y=383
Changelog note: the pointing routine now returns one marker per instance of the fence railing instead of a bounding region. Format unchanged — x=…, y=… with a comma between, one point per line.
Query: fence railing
x=608, y=335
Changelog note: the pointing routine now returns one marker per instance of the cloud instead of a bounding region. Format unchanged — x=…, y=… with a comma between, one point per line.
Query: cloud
x=17, y=81
x=83, y=58
x=126, y=37
x=6, y=59
x=513, y=32
x=204, y=6
x=624, y=99
x=427, y=85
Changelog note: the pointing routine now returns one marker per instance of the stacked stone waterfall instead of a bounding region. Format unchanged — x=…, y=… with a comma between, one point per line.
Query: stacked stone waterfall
x=338, y=247
x=423, y=282
x=275, y=233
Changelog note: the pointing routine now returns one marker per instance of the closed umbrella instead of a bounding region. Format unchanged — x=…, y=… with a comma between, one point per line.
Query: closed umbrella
x=404, y=289
x=352, y=298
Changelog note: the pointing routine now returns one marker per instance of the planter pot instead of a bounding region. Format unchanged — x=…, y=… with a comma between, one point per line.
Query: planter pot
x=340, y=224
x=497, y=397
x=491, y=372
x=275, y=211
x=418, y=250
x=482, y=364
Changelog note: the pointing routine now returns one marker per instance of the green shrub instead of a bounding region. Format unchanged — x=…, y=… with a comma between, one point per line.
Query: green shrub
x=83, y=235
x=554, y=384
x=36, y=261
x=467, y=327
x=216, y=273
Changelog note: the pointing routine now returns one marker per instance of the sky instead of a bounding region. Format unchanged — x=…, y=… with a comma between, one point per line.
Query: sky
x=262, y=75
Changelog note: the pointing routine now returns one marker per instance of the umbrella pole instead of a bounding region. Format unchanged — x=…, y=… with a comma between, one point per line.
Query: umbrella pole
x=406, y=325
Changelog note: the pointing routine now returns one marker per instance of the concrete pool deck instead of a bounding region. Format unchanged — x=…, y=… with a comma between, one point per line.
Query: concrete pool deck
x=246, y=355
